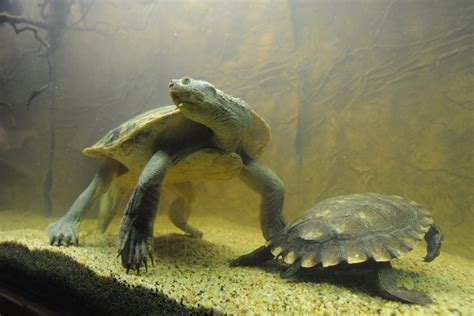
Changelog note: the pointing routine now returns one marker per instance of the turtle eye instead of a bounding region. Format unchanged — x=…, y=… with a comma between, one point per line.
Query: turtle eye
x=185, y=80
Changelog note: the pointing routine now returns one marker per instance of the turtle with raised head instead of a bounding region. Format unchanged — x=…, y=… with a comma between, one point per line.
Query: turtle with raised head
x=354, y=231
x=206, y=134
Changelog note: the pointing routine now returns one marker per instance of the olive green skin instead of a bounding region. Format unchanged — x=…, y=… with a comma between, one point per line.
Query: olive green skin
x=205, y=123
x=207, y=135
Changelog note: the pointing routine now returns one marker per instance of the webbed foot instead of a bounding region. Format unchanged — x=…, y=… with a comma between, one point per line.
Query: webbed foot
x=135, y=248
x=434, y=239
x=63, y=232
x=387, y=287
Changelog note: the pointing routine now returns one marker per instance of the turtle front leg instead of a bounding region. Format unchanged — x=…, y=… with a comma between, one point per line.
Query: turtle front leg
x=65, y=231
x=264, y=181
x=136, y=231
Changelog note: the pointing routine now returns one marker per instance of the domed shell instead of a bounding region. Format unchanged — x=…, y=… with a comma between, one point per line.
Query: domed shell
x=133, y=142
x=353, y=228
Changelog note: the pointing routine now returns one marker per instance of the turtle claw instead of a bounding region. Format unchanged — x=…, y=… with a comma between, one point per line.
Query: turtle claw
x=68, y=240
x=135, y=249
x=63, y=232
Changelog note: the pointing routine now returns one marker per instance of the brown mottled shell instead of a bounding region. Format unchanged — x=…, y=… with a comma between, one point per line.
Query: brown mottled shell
x=353, y=228
x=133, y=143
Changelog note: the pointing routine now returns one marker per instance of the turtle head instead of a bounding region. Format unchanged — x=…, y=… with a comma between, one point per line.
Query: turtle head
x=194, y=96
x=200, y=101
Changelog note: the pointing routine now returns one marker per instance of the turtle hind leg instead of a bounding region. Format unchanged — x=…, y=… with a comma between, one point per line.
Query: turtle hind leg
x=292, y=270
x=255, y=258
x=65, y=231
x=110, y=203
x=265, y=182
x=387, y=287
x=181, y=208
x=434, y=240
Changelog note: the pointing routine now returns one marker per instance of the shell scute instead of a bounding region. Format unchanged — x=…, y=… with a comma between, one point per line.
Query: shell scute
x=314, y=231
x=375, y=249
x=331, y=253
x=356, y=228
x=355, y=252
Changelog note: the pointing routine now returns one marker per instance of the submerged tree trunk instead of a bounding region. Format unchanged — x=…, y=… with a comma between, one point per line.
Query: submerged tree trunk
x=58, y=15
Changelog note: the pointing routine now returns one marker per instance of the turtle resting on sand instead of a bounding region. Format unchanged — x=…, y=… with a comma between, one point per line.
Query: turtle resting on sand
x=354, y=231
x=205, y=135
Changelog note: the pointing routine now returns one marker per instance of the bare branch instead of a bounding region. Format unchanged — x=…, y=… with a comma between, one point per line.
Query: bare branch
x=36, y=93
x=33, y=27
x=7, y=18
x=40, y=90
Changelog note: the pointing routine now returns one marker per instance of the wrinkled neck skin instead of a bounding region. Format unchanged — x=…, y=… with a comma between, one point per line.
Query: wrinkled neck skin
x=226, y=116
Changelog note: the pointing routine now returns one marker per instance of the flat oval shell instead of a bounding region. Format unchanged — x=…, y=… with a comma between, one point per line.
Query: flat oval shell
x=356, y=228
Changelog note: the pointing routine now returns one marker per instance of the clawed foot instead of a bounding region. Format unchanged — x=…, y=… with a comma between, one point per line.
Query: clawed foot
x=63, y=232
x=195, y=234
x=135, y=249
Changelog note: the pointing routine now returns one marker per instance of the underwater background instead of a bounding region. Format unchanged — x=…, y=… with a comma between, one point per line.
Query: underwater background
x=361, y=96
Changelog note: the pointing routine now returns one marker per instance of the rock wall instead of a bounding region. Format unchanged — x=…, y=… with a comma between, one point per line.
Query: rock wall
x=361, y=96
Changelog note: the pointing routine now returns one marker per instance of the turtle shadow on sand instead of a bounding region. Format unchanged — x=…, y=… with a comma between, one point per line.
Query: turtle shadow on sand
x=62, y=283
x=184, y=250
x=357, y=280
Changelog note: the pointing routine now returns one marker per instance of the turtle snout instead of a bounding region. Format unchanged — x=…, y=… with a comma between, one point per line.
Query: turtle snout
x=179, y=82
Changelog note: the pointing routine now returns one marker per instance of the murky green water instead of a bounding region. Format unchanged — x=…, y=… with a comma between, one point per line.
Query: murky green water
x=361, y=96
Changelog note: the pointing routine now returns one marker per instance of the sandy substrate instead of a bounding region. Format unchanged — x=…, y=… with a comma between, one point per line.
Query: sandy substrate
x=194, y=276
